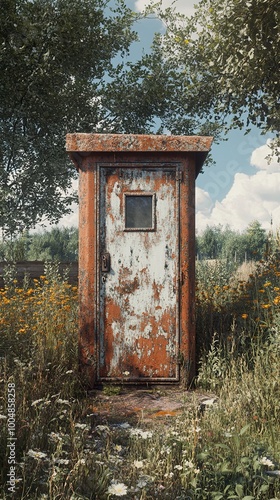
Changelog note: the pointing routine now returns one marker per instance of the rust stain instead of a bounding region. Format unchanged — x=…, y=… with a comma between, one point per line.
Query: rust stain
x=136, y=143
x=164, y=413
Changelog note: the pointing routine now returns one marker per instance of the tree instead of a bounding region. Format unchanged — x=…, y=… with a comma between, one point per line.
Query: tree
x=256, y=239
x=58, y=61
x=59, y=244
x=223, y=243
x=224, y=64
x=210, y=243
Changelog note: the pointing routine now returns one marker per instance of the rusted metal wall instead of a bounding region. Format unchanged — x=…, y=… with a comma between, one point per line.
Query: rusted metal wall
x=137, y=319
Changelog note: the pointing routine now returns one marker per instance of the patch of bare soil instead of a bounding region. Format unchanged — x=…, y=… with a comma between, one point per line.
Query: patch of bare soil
x=134, y=404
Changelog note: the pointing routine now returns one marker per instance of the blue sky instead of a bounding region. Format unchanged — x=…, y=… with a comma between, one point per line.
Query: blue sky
x=242, y=186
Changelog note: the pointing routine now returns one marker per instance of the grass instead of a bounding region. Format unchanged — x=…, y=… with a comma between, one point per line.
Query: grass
x=229, y=450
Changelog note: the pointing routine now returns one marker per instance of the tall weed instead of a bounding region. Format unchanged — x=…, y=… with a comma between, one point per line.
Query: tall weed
x=227, y=449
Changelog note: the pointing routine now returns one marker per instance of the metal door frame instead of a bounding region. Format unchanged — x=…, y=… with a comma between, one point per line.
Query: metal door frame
x=152, y=166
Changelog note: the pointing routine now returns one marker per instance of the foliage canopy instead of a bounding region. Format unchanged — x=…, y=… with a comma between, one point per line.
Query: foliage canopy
x=59, y=60
x=224, y=63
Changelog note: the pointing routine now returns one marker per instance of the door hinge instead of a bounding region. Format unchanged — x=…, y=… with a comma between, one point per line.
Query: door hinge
x=179, y=175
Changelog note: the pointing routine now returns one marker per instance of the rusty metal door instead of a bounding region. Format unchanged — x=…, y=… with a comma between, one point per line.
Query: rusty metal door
x=138, y=334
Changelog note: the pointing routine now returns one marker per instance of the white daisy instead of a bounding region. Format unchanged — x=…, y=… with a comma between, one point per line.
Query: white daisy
x=117, y=489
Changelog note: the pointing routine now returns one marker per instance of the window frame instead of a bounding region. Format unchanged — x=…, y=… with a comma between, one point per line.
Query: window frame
x=147, y=194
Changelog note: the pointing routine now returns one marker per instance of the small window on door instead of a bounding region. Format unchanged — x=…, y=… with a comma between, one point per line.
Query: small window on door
x=139, y=211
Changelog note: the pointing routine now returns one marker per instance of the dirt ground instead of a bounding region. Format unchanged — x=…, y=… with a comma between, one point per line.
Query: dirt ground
x=134, y=404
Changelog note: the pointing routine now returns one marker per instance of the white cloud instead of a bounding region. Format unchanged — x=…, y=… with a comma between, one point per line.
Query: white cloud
x=251, y=197
x=260, y=161
x=184, y=6
x=204, y=201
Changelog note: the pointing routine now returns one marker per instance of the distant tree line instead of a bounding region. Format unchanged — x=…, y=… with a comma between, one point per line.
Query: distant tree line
x=58, y=244
x=216, y=242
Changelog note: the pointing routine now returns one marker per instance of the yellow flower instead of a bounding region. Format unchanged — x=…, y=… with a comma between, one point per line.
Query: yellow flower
x=244, y=316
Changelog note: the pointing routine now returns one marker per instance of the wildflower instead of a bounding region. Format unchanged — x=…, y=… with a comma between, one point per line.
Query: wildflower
x=22, y=330
x=38, y=455
x=118, y=448
x=55, y=436
x=228, y=434
x=189, y=464
x=266, y=461
x=138, y=464
x=140, y=433
x=170, y=474
x=115, y=459
x=68, y=372
x=126, y=373
x=62, y=461
x=101, y=428
x=178, y=467
x=244, y=316
x=81, y=426
x=141, y=483
x=166, y=450
x=81, y=461
x=117, y=489
x=196, y=429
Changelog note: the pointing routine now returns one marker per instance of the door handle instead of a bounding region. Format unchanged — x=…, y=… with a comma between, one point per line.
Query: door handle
x=105, y=262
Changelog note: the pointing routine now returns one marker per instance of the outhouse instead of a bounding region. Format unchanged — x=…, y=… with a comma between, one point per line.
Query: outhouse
x=137, y=255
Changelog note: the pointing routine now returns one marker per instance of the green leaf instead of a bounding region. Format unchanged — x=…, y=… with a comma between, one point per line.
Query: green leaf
x=225, y=467
x=264, y=488
x=244, y=429
x=202, y=456
x=239, y=490
x=223, y=446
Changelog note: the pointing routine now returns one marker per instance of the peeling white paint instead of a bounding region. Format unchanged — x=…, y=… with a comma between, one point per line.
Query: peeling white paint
x=144, y=271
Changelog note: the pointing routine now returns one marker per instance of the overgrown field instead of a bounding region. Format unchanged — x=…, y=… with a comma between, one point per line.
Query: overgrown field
x=51, y=447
